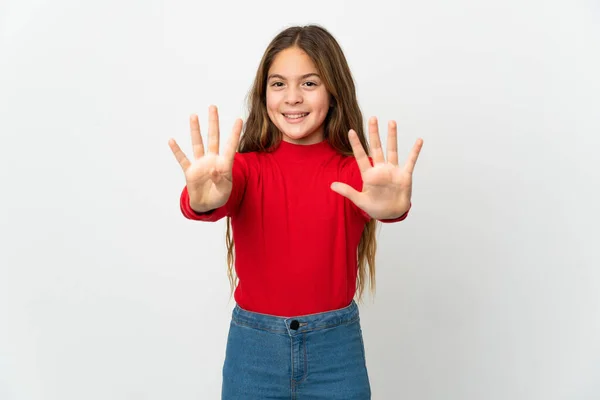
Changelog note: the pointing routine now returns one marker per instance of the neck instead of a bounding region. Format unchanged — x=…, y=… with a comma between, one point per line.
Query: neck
x=313, y=138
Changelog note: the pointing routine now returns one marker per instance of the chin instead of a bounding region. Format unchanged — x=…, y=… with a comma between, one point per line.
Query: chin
x=305, y=138
x=295, y=136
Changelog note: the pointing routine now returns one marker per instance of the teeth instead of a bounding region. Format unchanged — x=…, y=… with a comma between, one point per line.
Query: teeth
x=295, y=116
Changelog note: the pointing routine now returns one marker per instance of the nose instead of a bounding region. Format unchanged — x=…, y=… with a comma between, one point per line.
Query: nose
x=293, y=96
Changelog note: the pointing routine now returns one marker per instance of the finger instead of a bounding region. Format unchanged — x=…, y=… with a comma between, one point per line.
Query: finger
x=347, y=191
x=375, y=142
x=362, y=159
x=213, y=129
x=409, y=166
x=392, y=143
x=179, y=155
x=233, y=143
x=197, y=145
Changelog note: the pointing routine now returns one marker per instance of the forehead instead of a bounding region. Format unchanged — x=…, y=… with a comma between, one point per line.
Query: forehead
x=292, y=62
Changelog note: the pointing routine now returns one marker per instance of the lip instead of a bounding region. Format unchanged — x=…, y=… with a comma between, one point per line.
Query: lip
x=295, y=120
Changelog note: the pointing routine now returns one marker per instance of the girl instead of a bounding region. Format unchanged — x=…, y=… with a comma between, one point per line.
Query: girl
x=303, y=198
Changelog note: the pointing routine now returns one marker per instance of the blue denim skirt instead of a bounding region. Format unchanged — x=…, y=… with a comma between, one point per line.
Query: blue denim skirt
x=316, y=356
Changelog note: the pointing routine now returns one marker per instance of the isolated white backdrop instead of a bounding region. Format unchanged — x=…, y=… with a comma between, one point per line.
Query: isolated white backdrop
x=489, y=290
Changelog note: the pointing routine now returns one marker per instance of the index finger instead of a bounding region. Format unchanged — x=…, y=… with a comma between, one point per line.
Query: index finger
x=359, y=152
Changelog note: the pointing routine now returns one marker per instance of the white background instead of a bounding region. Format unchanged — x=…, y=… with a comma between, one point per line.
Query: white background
x=490, y=289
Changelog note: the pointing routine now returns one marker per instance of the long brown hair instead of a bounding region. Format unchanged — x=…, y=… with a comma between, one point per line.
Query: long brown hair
x=260, y=134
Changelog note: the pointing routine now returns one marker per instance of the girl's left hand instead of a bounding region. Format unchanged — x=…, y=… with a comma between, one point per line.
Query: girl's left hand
x=387, y=188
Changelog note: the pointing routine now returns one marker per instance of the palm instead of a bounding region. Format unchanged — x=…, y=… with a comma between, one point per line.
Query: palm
x=198, y=175
x=209, y=175
x=387, y=188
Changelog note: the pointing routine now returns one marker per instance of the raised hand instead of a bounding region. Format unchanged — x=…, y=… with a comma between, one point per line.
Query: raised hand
x=387, y=188
x=209, y=175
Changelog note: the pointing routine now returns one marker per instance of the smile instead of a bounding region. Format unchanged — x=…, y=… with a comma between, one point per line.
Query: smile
x=295, y=116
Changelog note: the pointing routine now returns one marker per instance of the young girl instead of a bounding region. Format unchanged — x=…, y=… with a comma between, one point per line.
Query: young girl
x=303, y=198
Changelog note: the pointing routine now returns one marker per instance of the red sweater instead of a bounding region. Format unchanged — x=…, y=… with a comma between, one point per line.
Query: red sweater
x=296, y=240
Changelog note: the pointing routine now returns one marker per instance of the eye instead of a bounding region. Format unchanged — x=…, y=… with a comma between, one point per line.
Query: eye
x=310, y=84
x=277, y=84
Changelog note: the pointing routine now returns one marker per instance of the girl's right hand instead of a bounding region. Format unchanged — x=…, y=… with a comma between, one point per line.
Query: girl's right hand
x=209, y=176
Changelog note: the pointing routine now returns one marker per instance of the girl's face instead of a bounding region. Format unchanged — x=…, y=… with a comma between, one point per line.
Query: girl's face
x=297, y=101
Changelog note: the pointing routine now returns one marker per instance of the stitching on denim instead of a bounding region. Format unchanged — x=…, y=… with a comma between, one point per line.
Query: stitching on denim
x=333, y=325
x=293, y=392
x=238, y=322
x=362, y=342
x=305, y=360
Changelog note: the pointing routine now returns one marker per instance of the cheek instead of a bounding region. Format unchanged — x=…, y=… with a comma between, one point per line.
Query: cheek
x=272, y=102
x=322, y=104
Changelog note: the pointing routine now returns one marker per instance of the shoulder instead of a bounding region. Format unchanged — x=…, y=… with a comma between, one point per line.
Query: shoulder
x=246, y=159
x=250, y=162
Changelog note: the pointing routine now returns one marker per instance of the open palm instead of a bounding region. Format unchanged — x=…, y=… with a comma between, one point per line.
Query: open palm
x=208, y=175
x=387, y=188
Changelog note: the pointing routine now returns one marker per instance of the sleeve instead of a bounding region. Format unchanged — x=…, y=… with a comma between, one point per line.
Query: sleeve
x=240, y=172
x=400, y=218
x=356, y=183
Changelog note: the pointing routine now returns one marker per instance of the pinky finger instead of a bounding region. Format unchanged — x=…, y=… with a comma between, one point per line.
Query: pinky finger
x=179, y=155
x=414, y=156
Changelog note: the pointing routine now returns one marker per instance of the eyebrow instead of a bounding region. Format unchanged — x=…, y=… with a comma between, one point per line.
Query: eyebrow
x=302, y=77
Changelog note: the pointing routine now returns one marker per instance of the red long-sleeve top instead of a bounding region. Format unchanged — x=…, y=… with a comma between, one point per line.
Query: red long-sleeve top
x=296, y=240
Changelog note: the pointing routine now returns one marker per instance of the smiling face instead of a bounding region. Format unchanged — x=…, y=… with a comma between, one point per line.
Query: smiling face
x=297, y=100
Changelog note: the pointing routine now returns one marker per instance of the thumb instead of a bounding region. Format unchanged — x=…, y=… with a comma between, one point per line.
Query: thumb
x=346, y=190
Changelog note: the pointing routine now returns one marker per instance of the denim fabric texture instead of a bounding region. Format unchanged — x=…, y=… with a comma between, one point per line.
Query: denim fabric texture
x=308, y=357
